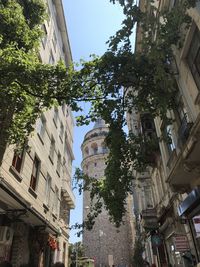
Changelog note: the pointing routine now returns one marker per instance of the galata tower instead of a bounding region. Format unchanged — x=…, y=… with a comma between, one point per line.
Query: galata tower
x=105, y=243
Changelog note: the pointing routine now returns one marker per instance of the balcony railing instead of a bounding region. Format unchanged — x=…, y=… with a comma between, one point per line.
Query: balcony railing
x=149, y=218
x=184, y=130
x=67, y=193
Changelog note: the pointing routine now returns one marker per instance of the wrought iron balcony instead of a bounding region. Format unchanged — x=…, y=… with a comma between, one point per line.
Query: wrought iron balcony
x=149, y=218
x=184, y=130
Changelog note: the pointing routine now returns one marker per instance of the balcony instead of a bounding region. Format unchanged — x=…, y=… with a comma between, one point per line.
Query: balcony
x=186, y=168
x=149, y=219
x=184, y=131
x=68, y=194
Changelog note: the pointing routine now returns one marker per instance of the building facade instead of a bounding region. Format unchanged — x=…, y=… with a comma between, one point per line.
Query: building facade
x=167, y=194
x=105, y=243
x=35, y=186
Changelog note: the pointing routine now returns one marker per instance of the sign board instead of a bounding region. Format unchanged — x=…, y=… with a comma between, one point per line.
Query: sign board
x=181, y=243
x=196, y=221
x=156, y=240
x=110, y=260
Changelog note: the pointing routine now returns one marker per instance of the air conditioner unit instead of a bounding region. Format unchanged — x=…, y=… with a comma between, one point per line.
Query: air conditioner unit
x=6, y=235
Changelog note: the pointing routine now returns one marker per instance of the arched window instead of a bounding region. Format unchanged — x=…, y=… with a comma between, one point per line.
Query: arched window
x=94, y=148
x=104, y=148
x=86, y=151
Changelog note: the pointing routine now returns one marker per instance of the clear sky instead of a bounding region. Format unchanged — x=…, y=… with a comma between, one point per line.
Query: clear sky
x=90, y=23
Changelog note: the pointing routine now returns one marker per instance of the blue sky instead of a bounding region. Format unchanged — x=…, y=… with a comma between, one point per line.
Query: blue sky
x=90, y=23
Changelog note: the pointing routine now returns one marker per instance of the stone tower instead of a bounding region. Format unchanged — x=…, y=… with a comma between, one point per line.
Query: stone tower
x=105, y=243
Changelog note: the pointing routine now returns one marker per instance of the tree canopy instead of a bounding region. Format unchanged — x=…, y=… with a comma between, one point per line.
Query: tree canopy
x=114, y=83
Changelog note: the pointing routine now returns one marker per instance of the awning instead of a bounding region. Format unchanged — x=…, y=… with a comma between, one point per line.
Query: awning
x=191, y=204
x=11, y=202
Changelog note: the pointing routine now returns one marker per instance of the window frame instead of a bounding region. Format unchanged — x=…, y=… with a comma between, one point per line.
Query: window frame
x=193, y=54
x=59, y=164
x=41, y=127
x=45, y=36
x=52, y=149
x=56, y=116
x=61, y=134
x=48, y=190
x=56, y=201
x=35, y=177
x=18, y=158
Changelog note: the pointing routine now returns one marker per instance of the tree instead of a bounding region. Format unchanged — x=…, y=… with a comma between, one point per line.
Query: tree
x=75, y=252
x=137, y=259
x=113, y=84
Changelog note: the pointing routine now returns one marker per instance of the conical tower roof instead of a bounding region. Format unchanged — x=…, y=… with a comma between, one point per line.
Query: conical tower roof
x=100, y=123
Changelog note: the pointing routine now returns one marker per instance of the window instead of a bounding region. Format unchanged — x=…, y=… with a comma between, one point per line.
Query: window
x=104, y=148
x=86, y=151
x=35, y=173
x=169, y=139
x=55, y=116
x=51, y=58
x=58, y=163
x=52, y=149
x=48, y=13
x=54, y=40
x=56, y=201
x=148, y=197
x=94, y=148
x=193, y=57
x=180, y=111
x=63, y=108
x=48, y=190
x=41, y=127
x=182, y=120
x=44, y=38
x=17, y=161
x=61, y=131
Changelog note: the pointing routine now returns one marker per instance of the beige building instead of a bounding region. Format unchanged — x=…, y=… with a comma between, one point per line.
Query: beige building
x=168, y=194
x=105, y=243
x=35, y=186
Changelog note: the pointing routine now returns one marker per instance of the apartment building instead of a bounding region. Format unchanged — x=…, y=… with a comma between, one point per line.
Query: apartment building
x=35, y=186
x=167, y=195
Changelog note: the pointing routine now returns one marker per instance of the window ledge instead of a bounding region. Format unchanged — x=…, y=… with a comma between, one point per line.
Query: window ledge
x=51, y=160
x=58, y=173
x=16, y=174
x=46, y=206
x=172, y=159
x=40, y=137
x=32, y=192
x=197, y=99
x=55, y=123
x=55, y=217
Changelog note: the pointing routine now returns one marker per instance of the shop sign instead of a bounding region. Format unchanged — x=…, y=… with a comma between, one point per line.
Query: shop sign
x=110, y=260
x=181, y=243
x=196, y=221
x=156, y=240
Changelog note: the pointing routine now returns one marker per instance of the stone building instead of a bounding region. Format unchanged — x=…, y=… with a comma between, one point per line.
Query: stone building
x=168, y=193
x=105, y=243
x=35, y=186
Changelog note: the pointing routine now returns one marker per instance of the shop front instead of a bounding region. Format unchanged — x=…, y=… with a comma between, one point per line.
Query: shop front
x=25, y=235
x=175, y=250
x=189, y=210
